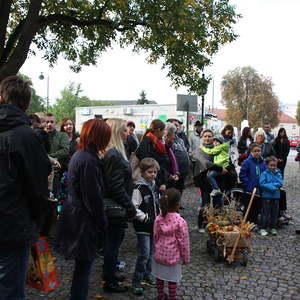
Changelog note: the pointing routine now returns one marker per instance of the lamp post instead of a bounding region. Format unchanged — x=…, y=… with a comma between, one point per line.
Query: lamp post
x=42, y=77
x=203, y=92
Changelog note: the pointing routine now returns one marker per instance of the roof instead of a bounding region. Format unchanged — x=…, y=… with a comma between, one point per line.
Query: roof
x=123, y=102
x=283, y=118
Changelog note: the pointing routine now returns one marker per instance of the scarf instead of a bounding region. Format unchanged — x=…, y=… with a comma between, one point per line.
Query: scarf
x=172, y=158
x=157, y=143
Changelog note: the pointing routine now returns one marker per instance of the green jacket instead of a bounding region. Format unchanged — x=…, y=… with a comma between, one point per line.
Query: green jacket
x=59, y=146
x=220, y=153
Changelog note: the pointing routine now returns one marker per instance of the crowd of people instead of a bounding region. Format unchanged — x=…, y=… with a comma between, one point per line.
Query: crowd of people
x=88, y=180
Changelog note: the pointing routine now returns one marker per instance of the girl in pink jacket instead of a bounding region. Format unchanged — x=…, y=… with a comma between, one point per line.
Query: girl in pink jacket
x=171, y=244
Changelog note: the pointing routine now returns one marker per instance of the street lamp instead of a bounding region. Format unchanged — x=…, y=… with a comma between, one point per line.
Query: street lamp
x=42, y=77
x=203, y=92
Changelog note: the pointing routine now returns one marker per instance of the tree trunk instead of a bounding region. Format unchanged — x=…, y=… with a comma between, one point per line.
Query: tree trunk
x=16, y=60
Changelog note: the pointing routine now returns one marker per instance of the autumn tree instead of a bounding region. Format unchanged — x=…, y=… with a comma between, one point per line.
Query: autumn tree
x=182, y=34
x=143, y=98
x=249, y=96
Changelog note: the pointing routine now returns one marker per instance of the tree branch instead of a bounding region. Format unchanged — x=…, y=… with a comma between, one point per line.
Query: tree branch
x=28, y=31
x=5, y=6
x=59, y=18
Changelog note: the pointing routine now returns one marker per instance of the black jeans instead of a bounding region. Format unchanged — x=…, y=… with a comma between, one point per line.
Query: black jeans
x=81, y=279
x=114, y=236
x=13, y=265
x=269, y=211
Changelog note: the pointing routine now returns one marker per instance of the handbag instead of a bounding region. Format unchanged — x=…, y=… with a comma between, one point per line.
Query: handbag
x=297, y=157
x=42, y=272
x=135, y=167
x=114, y=210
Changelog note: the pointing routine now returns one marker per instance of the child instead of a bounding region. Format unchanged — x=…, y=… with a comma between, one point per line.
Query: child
x=250, y=172
x=145, y=200
x=221, y=159
x=171, y=244
x=270, y=183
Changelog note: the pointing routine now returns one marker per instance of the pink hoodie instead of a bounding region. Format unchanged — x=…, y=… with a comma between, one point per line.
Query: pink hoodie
x=171, y=240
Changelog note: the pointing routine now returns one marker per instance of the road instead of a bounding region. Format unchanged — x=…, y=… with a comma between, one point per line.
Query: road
x=273, y=271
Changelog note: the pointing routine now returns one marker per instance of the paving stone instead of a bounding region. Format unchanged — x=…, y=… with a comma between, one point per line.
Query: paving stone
x=273, y=271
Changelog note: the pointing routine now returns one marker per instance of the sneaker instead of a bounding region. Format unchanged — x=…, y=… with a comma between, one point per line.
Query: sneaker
x=201, y=230
x=149, y=281
x=287, y=217
x=263, y=232
x=274, y=231
x=120, y=265
x=114, y=287
x=137, y=289
x=215, y=192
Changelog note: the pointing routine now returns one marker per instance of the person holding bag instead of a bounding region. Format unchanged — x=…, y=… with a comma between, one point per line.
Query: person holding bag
x=118, y=194
x=82, y=218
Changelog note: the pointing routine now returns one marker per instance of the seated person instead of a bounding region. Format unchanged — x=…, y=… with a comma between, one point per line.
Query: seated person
x=221, y=159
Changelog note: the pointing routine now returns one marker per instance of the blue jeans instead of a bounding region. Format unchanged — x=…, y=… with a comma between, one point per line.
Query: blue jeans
x=269, y=210
x=143, y=262
x=211, y=177
x=13, y=267
x=81, y=279
x=114, y=236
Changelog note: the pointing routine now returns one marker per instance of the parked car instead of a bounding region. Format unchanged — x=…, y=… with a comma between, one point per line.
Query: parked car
x=294, y=141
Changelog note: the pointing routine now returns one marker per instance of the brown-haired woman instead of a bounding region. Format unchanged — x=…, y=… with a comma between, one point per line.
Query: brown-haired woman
x=68, y=126
x=82, y=216
x=152, y=145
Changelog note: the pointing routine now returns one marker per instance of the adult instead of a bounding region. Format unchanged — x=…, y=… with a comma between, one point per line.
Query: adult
x=181, y=156
x=152, y=145
x=268, y=132
x=37, y=128
x=68, y=126
x=245, y=140
x=195, y=138
x=267, y=148
x=59, y=151
x=82, y=216
x=119, y=188
x=204, y=163
x=183, y=136
x=132, y=142
x=281, y=146
x=24, y=168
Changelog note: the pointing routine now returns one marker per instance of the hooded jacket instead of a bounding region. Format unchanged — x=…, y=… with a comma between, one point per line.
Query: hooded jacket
x=250, y=173
x=171, y=240
x=220, y=153
x=270, y=183
x=145, y=199
x=24, y=170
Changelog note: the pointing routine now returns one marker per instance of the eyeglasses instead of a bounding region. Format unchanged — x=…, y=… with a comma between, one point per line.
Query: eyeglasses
x=50, y=121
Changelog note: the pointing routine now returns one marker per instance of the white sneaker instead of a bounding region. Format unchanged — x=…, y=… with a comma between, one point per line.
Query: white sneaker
x=201, y=230
x=215, y=192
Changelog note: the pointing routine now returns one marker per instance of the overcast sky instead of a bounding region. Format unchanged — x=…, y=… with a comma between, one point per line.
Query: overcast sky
x=268, y=41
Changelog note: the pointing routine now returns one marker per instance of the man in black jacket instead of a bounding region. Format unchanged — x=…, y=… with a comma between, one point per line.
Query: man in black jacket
x=24, y=167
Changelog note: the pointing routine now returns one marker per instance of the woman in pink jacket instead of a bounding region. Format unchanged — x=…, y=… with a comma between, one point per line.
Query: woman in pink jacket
x=171, y=244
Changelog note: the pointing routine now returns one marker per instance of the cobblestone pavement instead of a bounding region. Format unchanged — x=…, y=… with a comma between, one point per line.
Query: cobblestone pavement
x=273, y=271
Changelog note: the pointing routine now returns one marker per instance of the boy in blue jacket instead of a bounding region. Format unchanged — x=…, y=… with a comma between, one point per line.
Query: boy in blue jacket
x=270, y=183
x=251, y=170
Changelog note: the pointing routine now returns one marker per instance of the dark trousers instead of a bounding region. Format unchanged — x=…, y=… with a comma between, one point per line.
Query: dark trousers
x=13, y=266
x=255, y=208
x=48, y=220
x=114, y=236
x=143, y=262
x=269, y=211
x=81, y=279
x=281, y=166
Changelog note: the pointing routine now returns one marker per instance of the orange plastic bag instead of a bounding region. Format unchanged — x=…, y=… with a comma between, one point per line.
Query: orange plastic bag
x=42, y=270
